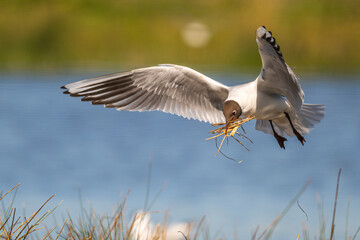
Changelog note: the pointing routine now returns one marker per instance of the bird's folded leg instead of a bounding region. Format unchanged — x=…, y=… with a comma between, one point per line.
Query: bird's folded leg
x=279, y=138
x=297, y=134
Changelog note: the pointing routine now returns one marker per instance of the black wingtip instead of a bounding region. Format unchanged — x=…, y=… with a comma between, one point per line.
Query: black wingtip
x=87, y=99
x=277, y=47
x=63, y=87
x=109, y=105
x=66, y=92
x=270, y=39
x=97, y=102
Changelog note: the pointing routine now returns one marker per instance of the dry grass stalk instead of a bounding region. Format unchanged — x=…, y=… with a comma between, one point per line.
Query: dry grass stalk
x=13, y=227
x=230, y=131
x=336, y=197
x=91, y=226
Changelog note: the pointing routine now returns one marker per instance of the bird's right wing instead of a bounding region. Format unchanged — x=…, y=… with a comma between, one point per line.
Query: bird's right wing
x=276, y=76
x=168, y=88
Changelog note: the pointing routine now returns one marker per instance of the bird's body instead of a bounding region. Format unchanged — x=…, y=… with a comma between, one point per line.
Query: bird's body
x=256, y=103
x=274, y=98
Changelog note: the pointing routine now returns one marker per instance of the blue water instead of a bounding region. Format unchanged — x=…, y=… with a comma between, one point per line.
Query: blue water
x=53, y=143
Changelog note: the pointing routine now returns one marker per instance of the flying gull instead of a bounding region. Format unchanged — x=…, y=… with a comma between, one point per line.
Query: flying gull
x=274, y=98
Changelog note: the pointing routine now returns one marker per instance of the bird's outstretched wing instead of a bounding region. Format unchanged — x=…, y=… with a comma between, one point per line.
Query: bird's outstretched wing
x=168, y=88
x=276, y=76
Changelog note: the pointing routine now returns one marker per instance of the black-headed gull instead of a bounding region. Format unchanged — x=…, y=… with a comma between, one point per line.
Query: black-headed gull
x=274, y=98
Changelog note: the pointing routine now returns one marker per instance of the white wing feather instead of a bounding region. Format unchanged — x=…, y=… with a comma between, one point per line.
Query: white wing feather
x=276, y=76
x=169, y=88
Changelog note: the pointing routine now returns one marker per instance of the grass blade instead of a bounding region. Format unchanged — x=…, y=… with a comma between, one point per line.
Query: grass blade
x=336, y=197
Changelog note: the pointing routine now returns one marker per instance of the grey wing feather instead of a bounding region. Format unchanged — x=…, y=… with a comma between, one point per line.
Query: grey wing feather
x=276, y=76
x=168, y=88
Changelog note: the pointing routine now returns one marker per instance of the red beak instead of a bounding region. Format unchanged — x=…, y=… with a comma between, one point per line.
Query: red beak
x=227, y=125
x=226, y=128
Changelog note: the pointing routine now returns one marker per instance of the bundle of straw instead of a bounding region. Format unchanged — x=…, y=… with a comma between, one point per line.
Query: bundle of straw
x=230, y=131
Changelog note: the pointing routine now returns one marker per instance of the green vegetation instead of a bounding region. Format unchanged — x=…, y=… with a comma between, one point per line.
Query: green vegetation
x=314, y=35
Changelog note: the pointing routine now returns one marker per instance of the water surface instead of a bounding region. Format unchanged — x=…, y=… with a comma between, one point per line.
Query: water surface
x=53, y=143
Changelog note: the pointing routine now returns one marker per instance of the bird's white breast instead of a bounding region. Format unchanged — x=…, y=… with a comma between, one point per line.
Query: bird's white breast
x=245, y=95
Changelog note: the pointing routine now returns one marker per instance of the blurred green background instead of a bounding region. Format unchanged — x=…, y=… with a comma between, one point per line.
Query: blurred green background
x=315, y=36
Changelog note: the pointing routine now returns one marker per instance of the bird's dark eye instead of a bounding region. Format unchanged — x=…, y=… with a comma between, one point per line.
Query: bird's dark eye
x=234, y=112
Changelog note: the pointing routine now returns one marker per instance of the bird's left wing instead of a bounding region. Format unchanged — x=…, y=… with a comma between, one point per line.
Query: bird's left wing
x=276, y=76
x=168, y=88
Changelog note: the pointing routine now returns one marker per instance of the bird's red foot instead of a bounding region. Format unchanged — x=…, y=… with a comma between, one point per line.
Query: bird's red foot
x=280, y=140
x=300, y=138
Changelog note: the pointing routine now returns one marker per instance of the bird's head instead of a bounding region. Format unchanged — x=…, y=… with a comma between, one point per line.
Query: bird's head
x=231, y=111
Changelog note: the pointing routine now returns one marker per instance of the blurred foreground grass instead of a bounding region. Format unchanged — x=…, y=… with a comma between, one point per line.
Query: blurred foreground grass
x=40, y=34
x=90, y=225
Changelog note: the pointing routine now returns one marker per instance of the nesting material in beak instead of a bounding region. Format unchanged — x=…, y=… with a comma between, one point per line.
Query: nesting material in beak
x=229, y=129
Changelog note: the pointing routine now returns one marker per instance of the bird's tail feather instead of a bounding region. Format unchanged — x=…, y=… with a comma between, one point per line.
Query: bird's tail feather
x=303, y=122
x=311, y=114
